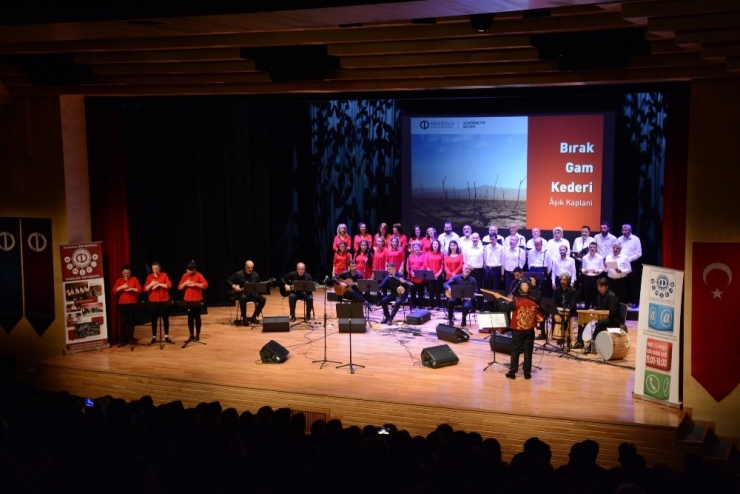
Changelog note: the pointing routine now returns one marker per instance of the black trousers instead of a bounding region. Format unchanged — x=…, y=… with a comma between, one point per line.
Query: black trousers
x=306, y=297
x=522, y=341
x=194, y=322
x=156, y=311
x=259, y=302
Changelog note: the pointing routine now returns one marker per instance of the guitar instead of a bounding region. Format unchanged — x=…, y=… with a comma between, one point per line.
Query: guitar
x=286, y=293
x=341, y=290
x=234, y=293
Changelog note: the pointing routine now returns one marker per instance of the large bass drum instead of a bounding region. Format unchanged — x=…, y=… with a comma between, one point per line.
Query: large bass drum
x=612, y=346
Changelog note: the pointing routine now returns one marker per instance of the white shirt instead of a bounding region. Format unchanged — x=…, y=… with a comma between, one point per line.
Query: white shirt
x=560, y=266
x=473, y=256
x=604, y=244
x=631, y=247
x=513, y=259
x=444, y=240
x=622, y=263
x=464, y=243
x=553, y=247
x=522, y=240
x=493, y=255
x=530, y=243
x=538, y=259
x=590, y=262
x=579, y=244
x=487, y=239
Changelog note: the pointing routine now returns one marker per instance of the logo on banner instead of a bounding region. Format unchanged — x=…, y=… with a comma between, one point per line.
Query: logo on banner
x=722, y=267
x=7, y=241
x=657, y=385
x=81, y=261
x=37, y=242
x=660, y=317
x=662, y=287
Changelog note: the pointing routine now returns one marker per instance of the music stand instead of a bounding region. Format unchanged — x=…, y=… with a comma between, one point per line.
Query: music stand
x=494, y=321
x=251, y=288
x=348, y=311
x=461, y=291
x=324, y=361
x=160, y=322
x=304, y=286
x=379, y=274
x=425, y=274
x=129, y=309
x=190, y=305
x=368, y=286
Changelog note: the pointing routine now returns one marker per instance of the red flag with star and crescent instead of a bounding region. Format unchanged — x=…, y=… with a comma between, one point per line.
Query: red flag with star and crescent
x=715, y=340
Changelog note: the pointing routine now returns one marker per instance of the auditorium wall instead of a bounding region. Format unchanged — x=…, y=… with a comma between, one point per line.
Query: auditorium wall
x=713, y=204
x=37, y=135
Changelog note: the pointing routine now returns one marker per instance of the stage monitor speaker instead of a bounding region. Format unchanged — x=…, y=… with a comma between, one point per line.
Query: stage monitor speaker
x=501, y=343
x=451, y=334
x=419, y=316
x=438, y=356
x=355, y=324
x=273, y=353
x=277, y=324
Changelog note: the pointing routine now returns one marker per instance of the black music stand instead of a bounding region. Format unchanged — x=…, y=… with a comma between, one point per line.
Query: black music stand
x=348, y=311
x=254, y=289
x=189, y=306
x=304, y=286
x=497, y=320
x=379, y=274
x=130, y=310
x=324, y=361
x=160, y=323
x=462, y=292
x=366, y=287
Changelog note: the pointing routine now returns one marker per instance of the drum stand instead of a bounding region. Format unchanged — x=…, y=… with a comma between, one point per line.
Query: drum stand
x=566, y=321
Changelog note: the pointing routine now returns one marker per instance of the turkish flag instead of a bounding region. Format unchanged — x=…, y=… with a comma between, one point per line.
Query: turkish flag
x=715, y=339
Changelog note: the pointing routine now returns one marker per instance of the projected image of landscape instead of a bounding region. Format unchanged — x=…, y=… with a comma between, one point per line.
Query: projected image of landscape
x=469, y=170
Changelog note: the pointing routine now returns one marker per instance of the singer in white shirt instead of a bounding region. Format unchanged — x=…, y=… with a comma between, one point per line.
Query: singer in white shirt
x=561, y=265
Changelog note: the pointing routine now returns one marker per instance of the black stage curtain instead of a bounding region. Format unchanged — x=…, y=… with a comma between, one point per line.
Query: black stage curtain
x=224, y=179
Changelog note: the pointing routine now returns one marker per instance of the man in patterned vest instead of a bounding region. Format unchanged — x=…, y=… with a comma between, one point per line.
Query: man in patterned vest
x=525, y=316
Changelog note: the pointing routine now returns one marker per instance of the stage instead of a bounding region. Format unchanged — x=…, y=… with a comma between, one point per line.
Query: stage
x=570, y=397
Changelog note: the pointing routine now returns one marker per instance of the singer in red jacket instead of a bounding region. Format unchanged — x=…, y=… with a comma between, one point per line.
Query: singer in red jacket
x=193, y=283
x=126, y=292
x=158, y=286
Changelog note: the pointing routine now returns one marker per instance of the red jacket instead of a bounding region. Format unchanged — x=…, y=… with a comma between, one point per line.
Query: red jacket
x=127, y=296
x=159, y=294
x=193, y=293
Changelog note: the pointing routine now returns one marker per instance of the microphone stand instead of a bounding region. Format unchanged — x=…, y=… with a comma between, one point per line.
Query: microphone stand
x=324, y=361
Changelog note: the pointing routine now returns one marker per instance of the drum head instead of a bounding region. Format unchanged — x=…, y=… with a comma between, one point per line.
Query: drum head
x=605, y=345
x=588, y=331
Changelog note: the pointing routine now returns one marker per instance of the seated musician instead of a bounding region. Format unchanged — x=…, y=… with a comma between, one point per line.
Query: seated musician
x=345, y=284
x=299, y=274
x=467, y=305
x=237, y=282
x=566, y=299
x=605, y=300
x=525, y=315
x=394, y=289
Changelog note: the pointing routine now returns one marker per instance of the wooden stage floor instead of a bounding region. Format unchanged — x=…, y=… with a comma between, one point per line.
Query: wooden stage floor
x=567, y=400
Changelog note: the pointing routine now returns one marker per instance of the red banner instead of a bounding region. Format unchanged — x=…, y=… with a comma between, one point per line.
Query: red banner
x=714, y=336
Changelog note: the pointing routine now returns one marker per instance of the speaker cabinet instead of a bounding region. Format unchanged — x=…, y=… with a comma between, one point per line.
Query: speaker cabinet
x=451, y=334
x=418, y=317
x=277, y=324
x=500, y=343
x=438, y=356
x=354, y=324
x=273, y=353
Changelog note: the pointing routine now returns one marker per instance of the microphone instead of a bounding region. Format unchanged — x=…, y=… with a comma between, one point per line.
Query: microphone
x=326, y=279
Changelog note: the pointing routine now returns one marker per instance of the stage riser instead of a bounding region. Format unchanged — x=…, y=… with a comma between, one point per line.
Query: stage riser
x=655, y=443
